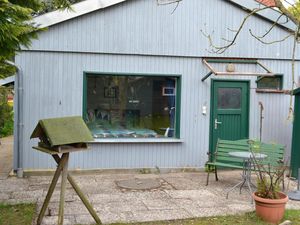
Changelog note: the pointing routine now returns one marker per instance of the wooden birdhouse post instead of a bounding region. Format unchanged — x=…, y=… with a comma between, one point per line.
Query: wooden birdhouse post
x=63, y=136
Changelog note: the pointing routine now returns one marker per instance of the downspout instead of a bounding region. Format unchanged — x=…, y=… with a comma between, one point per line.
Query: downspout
x=18, y=119
x=20, y=124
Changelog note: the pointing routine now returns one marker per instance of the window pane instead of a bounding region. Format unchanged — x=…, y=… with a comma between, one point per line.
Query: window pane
x=131, y=106
x=270, y=83
x=229, y=98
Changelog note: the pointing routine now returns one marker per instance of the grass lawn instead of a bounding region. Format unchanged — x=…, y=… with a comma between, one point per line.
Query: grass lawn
x=245, y=219
x=23, y=214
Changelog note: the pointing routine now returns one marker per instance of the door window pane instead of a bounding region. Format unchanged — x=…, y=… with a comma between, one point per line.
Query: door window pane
x=131, y=106
x=229, y=98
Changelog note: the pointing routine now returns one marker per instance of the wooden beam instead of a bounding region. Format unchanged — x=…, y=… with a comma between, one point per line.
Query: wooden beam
x=264, y=67
x=245, y=74
x=61, y=163
x=81, y=195
x=206, y=76
x=238, y=61
x=209, y=66
x=63, y=190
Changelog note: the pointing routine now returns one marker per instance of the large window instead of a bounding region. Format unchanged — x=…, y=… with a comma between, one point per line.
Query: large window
x=131, y=106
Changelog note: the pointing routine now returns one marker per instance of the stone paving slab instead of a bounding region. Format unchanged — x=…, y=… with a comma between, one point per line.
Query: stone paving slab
x=183, y=195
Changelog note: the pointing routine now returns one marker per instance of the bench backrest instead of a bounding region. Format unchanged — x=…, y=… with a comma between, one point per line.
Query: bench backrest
x=223, y=147
x=275, y=152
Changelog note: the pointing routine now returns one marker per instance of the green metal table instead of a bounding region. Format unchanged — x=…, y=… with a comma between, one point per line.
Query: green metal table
x=62, y=167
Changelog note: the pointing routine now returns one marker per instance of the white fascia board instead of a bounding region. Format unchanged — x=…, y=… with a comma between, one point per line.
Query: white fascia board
x=7, y=80
x=78, y=9
x=270, y=14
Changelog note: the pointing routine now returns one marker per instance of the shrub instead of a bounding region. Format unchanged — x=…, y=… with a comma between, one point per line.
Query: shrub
x=6, y=114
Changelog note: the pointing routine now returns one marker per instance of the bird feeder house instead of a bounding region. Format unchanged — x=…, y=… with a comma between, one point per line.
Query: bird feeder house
x=62, y=134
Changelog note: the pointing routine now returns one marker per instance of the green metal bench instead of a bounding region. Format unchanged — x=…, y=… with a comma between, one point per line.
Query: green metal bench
x=221, y=158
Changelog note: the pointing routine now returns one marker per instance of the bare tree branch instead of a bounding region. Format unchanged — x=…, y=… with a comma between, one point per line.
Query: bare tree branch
x=159, y=2
x=222, y=49
x=273, y=25
x=271, y=42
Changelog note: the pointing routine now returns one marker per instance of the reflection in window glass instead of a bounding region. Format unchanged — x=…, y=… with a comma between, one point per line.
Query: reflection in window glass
x=229, y=98
x=130, y=106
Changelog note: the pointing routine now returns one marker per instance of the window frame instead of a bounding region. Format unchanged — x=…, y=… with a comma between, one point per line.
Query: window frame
x=178, y=77
x=270, y=90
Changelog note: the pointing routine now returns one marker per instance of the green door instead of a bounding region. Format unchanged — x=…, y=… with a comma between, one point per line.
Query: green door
x=229, y=111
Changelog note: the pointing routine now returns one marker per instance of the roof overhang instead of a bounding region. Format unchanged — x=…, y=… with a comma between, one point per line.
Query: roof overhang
x=270, y=14
x=7, y=80
x=87, y=6
x=78, y=9
x=208, y=63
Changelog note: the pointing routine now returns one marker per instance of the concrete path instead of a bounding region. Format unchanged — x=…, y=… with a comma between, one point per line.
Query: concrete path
x=182, y=195
x=6, y=156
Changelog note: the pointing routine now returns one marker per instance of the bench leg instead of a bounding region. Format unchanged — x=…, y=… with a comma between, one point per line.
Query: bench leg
x=216, y=174
x=207, y=178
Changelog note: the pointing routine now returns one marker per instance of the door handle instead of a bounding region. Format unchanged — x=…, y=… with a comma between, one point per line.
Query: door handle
x=216, y=123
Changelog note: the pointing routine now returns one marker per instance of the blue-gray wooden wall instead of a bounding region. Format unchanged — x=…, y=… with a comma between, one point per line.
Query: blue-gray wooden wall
x=139, y=36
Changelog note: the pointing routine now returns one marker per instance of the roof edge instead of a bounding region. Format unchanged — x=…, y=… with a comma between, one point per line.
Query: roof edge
x=7, y=80
x=87, y=6
x=78, y=9
x=268, y=14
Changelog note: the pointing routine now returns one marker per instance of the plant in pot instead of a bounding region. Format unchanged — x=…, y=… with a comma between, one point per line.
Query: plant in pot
x=269, y=200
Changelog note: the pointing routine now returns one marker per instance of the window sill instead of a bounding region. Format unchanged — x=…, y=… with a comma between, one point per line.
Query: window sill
x=136, y=140
x=270, y=91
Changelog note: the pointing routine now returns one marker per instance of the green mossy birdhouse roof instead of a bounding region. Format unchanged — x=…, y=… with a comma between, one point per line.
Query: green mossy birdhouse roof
x=62, y=131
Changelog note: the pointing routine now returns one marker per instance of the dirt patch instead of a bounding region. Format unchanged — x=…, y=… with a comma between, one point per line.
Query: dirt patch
x=6, y=156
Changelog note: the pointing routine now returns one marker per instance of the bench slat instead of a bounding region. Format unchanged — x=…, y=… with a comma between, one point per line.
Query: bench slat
x=274, y=152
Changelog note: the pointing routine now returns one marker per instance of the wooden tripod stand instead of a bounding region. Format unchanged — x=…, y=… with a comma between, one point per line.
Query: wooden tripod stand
x=62, y=167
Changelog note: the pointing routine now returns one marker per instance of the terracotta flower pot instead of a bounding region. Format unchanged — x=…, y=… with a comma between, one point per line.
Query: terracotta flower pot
x=270, y=210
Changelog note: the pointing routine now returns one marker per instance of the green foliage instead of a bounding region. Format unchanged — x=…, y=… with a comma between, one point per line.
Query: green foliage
x=17, y=28
x=6, y=112
x=48, y=6
x=269, y=177
x=264, y=191
x=295, y=9
x=6, y=70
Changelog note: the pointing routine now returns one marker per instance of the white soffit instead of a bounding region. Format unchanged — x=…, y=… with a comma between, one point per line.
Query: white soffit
x=78, y=9
x=7, y=80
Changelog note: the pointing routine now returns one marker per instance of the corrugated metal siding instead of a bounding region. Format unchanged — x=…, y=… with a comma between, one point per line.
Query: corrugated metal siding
x=143, y=27
x=53, y=86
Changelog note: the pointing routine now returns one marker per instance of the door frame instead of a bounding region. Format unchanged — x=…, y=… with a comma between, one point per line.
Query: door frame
x=211, y=120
